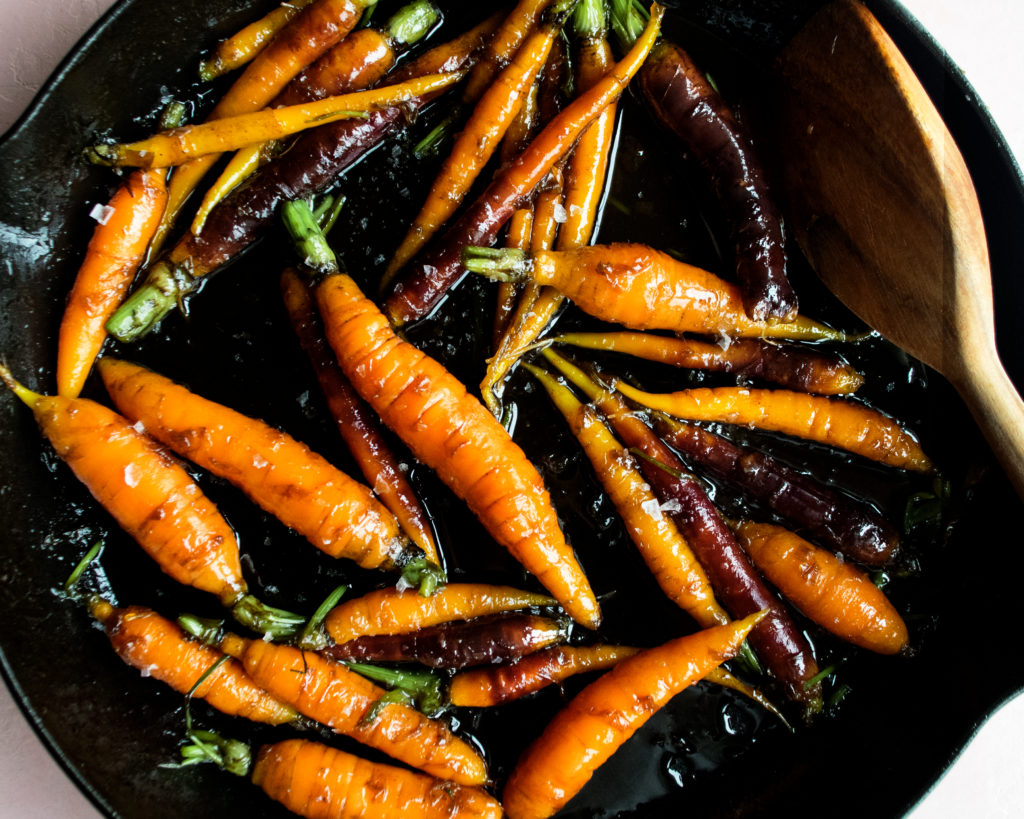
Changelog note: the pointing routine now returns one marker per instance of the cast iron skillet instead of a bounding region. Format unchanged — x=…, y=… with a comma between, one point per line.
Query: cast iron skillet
x=709, y=754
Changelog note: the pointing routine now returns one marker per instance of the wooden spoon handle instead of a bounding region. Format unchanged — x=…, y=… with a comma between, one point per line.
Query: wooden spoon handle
x=999, y=411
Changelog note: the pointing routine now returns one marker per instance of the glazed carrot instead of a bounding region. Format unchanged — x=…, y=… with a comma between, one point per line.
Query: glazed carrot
x=480, y=136
x=358, y=426
x=115, y=252
x=844, y=424
x=445, y=427
x=497, y=638
x=426, y=280
x=346, y=702
x=641, y=288
x=520, y=226
x=664, y=550
x=283, y=476
x=238, y=49
x=159, y=649
x=607, y=713
x=393, y=611
x=230, y=133
x=828, y=590
x=504, y=43
x=494, y=685
x=794, y=367
x=319, y=782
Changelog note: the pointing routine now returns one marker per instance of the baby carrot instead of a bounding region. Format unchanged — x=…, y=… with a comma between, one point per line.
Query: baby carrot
x=844, y=424
x=238, y=49
x=358, y=426
x=494, y=685
x=641, y=288
x=504, y=43
x=317, y=781
x=791, y=366
x=445, y=427
x=607, y=713
x=393, y=611
x=115, y=252
x=159, y=649
x=831, y=592
x=520, y=226
x=283, y=476
x=665, y=551
x=346, y=702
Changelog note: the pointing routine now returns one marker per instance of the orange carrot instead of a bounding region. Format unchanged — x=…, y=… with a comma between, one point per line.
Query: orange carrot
x=444, y=426
x=358, y=426
x=494, y=685
x=791, y=366
x=520, y=226
x=238, y=49
x=664, y=550
x=348, y=703
x=641, y=288
x=283, y=476
x=504, y=43
x=115, y=252
x=480, y=137
x=319, y=782
x=831, y=592
x=393, y=611
x=844, y=424
x=607, y=713
x=159, y=649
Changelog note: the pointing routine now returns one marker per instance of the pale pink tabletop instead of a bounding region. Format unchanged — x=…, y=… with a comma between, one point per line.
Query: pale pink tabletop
x=982, y=36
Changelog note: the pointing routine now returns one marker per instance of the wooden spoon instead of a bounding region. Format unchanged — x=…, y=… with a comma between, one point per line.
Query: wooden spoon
x=881, y=202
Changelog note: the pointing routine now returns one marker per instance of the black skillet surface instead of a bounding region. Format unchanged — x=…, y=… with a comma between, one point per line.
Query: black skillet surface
x=902, y=723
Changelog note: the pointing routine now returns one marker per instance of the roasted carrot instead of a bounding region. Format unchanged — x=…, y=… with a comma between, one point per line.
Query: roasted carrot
x=317, y=781
x=664, y=550
x=444, y=426
x=641, y=288
x=480, y=136
x=283, y=476
x=791, y=366
x=393, y=611
x=497, y=638
x=238, y=49
x=115, y=252
x=832, y=518
x=607, y=713
x=854, y=427
x=506, y=40
x=681, y=97
x=358, y=426
x=520, y=227
x=427, y=279
x=159, y=649
x=831, y=592
x=347, y=703
x=311, y=163
x=494, y=685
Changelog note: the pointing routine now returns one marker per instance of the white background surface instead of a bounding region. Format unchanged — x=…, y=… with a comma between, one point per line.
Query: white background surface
x=983, y=38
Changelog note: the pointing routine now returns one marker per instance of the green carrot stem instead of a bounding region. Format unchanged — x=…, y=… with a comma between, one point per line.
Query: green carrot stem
x=309, y=240
x=422, y=688
x=165, y=288
x=83, y=564
x=589, y=20
x=313, y=636
x=503, y=264
x=412, y=22
x=277, y=624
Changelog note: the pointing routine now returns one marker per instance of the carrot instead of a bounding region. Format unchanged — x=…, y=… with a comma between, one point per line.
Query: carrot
x=844, y=424
x=359, y=428
x=831, y=592
x=607, y=713
x=115, y=252
x=664, y=550
x=393, y=611
x=495, y=685
x=641, y=288
x=497, y=638
x=445, y=427
x=520, y=226
x=238, y=49
x=793, y=367
x=346, y=702
x=283, y=476
x=480, y=136
x=230, y=133
x=503, y=45
x=316, y=781
x=159, y=649
x=427, y=279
